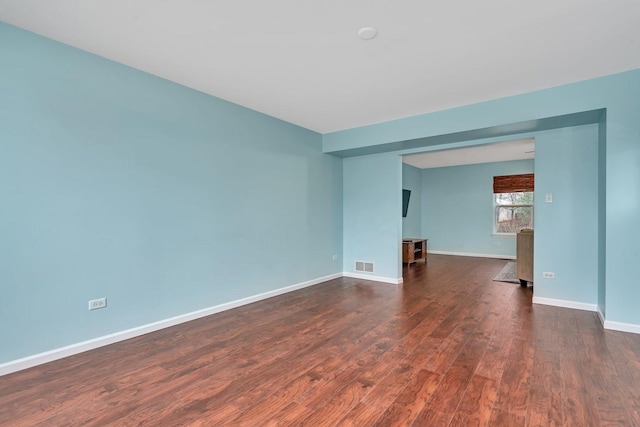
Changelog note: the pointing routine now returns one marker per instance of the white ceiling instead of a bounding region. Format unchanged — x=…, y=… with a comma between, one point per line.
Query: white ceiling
x=301, y=60
x=497, y=152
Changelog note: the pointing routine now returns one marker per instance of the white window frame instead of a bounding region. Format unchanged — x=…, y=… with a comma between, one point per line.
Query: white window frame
x=497, y=233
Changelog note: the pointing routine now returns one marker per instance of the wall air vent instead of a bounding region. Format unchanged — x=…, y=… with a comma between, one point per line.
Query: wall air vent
x=367, y=267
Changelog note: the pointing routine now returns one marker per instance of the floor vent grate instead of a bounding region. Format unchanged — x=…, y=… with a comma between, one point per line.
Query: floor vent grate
x=367, y=267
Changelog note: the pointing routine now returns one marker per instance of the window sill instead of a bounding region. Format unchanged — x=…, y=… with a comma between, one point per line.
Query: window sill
x=504, y=235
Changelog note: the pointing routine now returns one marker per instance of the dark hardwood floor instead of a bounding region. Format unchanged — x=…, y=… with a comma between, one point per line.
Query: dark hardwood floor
x=450, y=347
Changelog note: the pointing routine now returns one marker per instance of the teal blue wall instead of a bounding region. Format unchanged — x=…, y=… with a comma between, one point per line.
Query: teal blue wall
x=373, y=213
x=619, y=94
x=118, y=184
x=623, y=199
x=457, y=208
x=566, y=230
x=602, y=214
x=412, y=180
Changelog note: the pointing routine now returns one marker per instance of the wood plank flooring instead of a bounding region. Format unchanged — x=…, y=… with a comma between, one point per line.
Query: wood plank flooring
x=450, y=347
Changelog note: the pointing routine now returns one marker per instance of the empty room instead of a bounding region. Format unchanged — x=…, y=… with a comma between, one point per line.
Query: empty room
x=319, y=213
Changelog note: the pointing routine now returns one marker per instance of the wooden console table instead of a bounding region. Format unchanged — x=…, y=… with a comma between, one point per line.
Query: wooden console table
x=413, y=250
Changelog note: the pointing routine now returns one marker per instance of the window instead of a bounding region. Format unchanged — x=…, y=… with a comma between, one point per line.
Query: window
x=513, y=212
x=513, y=203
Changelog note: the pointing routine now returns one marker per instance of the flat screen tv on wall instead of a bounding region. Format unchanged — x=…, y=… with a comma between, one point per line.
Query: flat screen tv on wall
x=406, y=194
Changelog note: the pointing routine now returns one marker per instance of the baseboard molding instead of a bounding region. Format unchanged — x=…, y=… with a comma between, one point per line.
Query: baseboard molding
x=622, y=327
x=472, y=254
x=70, y=350
x=565, y=304
x=607, y=324
x=618, y=326
x=391, y=280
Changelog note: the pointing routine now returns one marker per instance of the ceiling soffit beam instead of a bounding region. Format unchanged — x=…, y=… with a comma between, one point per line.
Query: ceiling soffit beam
x=537, y=125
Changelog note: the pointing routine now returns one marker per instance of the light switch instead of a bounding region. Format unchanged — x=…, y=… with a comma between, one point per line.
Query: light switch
x=548, y=198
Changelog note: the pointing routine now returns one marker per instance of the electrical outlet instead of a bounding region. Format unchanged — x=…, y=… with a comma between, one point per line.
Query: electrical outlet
x=95, y=304
x=335, y=257
x=496, y=243
x=548, y=275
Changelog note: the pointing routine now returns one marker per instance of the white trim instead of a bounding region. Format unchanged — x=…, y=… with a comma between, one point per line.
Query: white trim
x=566, y=304
x=606, y=324
x=504, y=235
x=391, y=280
x=622, y=327
x=497, y=256
x=70, y=350
x=618, y=326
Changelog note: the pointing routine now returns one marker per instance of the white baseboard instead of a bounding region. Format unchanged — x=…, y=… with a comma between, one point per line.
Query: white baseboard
x=397, y=281
x=622, y=327
x=472, y=254
x=59, y=353
x=565, y=304
x=607, y=324
x=618, y=326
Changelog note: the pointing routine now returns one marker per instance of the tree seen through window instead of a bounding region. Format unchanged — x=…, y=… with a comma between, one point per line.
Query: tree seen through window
x=513, y=211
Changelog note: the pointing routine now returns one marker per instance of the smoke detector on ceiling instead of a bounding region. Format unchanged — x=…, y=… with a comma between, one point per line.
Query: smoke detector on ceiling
x=367, y=33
